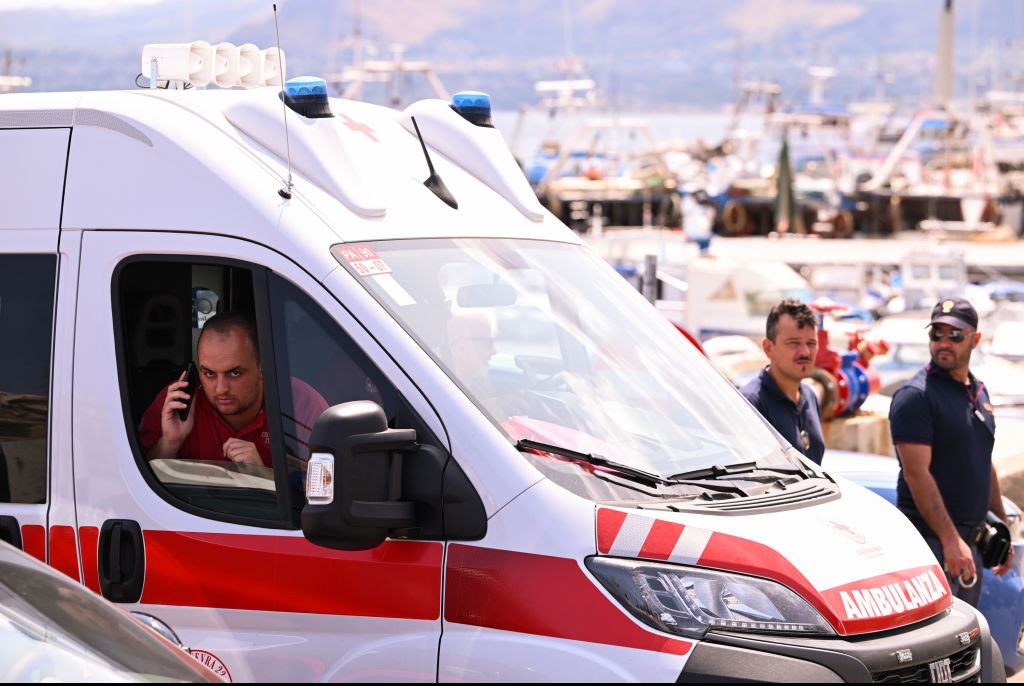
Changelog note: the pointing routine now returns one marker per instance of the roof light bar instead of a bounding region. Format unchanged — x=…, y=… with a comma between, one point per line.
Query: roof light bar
x=226, y=65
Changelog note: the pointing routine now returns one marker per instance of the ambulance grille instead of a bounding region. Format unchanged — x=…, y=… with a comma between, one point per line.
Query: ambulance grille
x=964, y=667
x=817, y=490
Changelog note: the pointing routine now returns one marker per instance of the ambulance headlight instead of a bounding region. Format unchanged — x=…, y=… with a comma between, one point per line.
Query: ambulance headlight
x=690, y=602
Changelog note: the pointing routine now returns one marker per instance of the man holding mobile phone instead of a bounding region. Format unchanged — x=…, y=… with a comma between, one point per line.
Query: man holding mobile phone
x=226, y=419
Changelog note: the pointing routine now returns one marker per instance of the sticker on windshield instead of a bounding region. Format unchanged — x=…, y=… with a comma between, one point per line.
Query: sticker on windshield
x=364, y=261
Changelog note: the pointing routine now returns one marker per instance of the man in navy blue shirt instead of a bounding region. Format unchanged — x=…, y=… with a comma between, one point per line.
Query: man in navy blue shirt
x=779, y=392
x=943, y=428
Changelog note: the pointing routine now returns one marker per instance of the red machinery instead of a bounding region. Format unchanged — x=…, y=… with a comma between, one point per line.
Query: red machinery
x=846, y=377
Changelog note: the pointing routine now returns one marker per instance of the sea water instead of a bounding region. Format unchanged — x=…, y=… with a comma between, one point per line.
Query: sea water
x=525, y=130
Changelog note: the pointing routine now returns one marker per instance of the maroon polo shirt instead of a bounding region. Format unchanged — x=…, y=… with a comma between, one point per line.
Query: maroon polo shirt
x=209, y=432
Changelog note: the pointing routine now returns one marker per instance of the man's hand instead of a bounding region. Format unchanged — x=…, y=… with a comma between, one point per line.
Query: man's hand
x=173, y=431
x=237, y=450
x=959, y=559
x=1000, y=570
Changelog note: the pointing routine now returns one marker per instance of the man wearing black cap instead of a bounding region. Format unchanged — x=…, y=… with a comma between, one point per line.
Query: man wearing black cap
x=943, y=429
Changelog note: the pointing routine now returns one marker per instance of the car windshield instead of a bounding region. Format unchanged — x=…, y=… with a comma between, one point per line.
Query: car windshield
x=53, y=629
x=557, y=349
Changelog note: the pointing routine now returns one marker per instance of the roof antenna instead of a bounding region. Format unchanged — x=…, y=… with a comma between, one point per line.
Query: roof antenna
x=434, y=182
x=286, y=191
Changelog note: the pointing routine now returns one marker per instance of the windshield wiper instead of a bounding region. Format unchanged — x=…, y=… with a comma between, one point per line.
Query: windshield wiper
x=590, y=458
x=719, y=471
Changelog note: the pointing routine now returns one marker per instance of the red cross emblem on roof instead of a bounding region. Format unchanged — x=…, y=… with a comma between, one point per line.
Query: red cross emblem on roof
x=365, y=129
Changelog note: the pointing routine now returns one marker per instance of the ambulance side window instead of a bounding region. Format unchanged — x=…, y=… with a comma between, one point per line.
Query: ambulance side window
x=312, y=350
x=27, y=284
x=308, y=364
x=164, y=304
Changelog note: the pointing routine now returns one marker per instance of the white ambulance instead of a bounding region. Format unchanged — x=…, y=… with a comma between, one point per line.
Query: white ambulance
x=601, y=505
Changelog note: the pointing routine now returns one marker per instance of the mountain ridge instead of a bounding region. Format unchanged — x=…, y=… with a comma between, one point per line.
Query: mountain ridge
x=643, y=54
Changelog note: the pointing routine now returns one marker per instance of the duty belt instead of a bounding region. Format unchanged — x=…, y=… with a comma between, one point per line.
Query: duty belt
x=971, y=533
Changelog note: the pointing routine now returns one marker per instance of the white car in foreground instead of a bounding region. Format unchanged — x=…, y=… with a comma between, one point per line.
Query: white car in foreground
x=54, y=629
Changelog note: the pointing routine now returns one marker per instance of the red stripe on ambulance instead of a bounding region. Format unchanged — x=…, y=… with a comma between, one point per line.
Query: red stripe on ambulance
x=873, y=604
x=912, y=594
x=64, y=550
x=543, y=596
x=33, y=541
x=286, y=573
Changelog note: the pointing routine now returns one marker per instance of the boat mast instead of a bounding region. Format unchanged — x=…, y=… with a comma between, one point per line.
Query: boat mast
x=944, y=61
x=391, y=72
x=8, y=81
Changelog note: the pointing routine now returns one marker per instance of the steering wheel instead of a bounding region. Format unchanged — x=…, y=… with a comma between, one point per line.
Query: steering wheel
x=560, y=380
x=535, y=366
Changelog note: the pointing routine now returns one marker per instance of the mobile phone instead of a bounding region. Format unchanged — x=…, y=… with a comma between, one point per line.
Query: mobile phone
x=192, y=377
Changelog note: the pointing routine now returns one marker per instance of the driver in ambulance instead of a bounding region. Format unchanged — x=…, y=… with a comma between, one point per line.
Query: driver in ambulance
x=228, y=419
x=471, y=342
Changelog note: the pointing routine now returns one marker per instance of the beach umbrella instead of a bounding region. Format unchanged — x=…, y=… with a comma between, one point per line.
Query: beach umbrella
x=787, y=210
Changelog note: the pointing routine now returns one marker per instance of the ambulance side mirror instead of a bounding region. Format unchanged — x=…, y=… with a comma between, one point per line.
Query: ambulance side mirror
x=354, y=478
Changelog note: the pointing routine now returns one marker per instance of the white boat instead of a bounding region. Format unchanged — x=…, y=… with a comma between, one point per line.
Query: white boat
x=8, y=81
x=370, y=79
x=595, y=167
x=797, y=151
x=953, y=187
x=701, y=295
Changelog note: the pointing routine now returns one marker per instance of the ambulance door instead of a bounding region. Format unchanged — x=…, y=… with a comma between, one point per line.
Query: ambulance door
x=212, y=548
x=34, y=355
x=27, y=295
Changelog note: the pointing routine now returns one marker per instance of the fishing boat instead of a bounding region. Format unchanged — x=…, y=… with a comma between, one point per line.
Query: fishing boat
x=952, y=187
x=594, y=167
x=353, y=79
x=385, y=81
x=784, y=175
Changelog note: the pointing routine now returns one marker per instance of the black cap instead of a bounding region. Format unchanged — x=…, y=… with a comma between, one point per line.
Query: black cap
x=957, y=312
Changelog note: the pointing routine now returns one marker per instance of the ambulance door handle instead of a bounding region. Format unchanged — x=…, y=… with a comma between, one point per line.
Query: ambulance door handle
x=122, y=562
x=10, y=530
x=114, y=568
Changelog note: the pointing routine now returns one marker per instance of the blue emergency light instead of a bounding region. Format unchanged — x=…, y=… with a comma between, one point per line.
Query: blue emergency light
x=474, y=107
x=307, y=95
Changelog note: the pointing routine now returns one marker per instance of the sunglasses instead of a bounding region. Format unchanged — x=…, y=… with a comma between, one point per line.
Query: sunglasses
x=954, y=335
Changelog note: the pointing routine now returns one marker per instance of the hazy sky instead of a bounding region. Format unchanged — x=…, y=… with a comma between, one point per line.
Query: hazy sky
x=98, y=4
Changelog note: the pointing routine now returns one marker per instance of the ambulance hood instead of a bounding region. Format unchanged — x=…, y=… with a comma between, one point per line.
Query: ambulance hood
x=889, y=578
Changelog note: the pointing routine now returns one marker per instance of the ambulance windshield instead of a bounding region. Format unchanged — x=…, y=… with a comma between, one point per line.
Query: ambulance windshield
x=557, y=348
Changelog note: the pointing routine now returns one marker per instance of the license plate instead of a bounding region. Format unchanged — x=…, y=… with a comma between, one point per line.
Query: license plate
x=940, y=671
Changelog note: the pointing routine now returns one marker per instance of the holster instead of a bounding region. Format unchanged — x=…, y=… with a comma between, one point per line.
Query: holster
x=993, y=541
